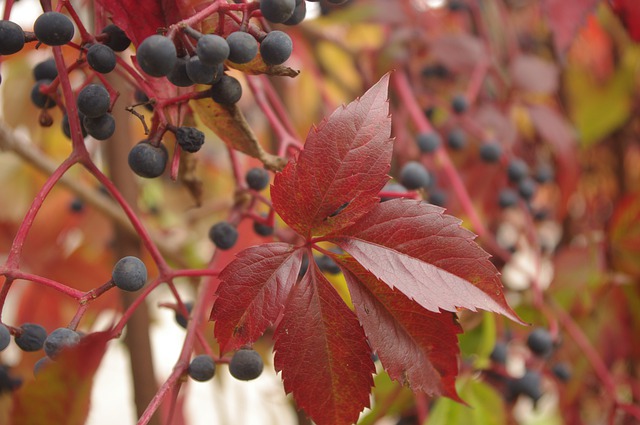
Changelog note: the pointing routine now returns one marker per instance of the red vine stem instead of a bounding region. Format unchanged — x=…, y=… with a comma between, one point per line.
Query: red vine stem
x=135, y=221
x=422, y=123
x=13, y=259
x=285, y=138
x=590, y=353
x=203, y=303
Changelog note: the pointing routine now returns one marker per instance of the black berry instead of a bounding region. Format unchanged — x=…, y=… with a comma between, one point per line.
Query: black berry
x=129, y=274
x=435, y=71
x=190, y=139
x=299, y=13
x=11, y=38
x=562, y=371
x=438, y=197
x=156, y=55
x=262, y=229
x=40, y=365
x=530, y=385
x=66, y=128
x=5, y=337
x=202, y=368
x=527, y=188
x=517, y=170
x=457, y=139
x=246, y=364
x=540, y=342
x=101, y=58
x=227, y=91
x=93, y=100
x=499, y=353
x=326, y=264
x=257, y=178
x=490, y=152
x=32, y=337
x=118, y=40
x=180, y=318
x=428, y=142
x=199, y=72
x=100, y=128
x=212, y=49
x=45, y=70
x=459, y=104
x=147, y=160
x=8, y=383
x=276, y=48
x=58, y=340
x=242, y=47
x=507, y=198
x=277, y=11
x=40, y=99
x=413, y=175
x=224, y=235
x=178, y=75
x=76, y=205
x=53, y=29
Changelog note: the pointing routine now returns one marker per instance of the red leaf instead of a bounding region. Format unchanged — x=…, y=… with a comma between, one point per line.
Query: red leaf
x=565, y=19
x=253, y=292
x=425, y=254
x=61, y=393
x=341, y=169
x=417, y=347
x=322, y=353
x=629, y=12
x=138, y=19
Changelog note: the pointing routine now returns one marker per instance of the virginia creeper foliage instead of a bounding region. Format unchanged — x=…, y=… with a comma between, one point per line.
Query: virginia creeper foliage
x=400, y=255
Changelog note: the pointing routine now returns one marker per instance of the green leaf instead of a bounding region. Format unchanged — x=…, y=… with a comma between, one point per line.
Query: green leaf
x=597, y=109
x=486, y=406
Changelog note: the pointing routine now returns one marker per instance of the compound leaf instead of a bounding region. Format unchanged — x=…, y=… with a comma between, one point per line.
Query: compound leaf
x=322, y=353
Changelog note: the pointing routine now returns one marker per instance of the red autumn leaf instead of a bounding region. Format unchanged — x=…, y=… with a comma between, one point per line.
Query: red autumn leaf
x=322, y=353
x=416, y=347
x=629, y=12
x=344, y=164
x=254, y=290
x=407, y=262
x=61, y=392
x=413, y=247
x=565, y=18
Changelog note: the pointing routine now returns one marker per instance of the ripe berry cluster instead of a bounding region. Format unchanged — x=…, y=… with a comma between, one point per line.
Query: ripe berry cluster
x=541, y=344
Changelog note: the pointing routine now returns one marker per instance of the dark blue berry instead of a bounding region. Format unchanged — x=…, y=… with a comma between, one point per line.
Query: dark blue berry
x=540, y=342
x=224, y=235
x=129, y=274
x=202, y=368
x=246, y=364
x=53, y=29
x=31, y=337
x=147, y=160
x=490, y=152
x=428, y=142
x=413, y=175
